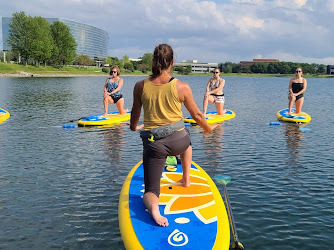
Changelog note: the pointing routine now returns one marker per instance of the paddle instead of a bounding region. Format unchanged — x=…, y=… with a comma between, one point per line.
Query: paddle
x=223, y=180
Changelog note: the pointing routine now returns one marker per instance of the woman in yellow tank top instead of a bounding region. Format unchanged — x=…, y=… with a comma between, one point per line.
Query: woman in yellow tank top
x=161, y=97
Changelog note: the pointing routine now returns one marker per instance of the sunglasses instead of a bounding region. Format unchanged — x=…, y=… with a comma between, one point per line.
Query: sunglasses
x=114, y=71
x=298, y=71
x=216, y=72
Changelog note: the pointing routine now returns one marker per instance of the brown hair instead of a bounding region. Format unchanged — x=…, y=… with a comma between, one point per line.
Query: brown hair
x=117, y=69
x=162, y=58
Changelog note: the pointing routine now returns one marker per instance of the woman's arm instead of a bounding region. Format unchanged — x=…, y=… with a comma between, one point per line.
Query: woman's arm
x=220, y=87
x=186, y=96
x=136, y=106
x=290, y=87
x=120, y=85
x=304, y=87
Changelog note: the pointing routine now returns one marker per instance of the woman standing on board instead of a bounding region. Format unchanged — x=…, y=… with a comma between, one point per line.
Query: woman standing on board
x=214, y=93
x=297, y=87
x=164, y=134
x=112, y=91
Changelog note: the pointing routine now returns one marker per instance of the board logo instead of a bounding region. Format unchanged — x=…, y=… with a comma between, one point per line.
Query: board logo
x=177, y=238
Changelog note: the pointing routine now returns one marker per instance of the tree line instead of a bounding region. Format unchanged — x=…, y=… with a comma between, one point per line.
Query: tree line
x=273, y=68
x=35, y=41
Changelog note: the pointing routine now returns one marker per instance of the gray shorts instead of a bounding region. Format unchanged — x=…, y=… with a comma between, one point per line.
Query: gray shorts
x=155, y=154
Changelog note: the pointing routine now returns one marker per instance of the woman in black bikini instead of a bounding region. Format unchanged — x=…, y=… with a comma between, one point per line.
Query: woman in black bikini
x=297, y=87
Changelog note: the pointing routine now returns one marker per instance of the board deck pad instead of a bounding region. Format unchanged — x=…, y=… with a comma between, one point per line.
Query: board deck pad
x=100, y=120
x=193, y=212
x=302, y=117
x=213, y=117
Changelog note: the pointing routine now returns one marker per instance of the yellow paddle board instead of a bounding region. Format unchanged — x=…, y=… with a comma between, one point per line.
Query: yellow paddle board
x=197, y=216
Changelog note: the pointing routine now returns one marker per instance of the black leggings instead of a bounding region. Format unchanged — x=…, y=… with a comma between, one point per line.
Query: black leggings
x=155, y=154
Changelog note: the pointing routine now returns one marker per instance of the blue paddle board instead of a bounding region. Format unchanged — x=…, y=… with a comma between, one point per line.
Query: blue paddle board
x=301, y=117
x=100, y=120
x=197, y=216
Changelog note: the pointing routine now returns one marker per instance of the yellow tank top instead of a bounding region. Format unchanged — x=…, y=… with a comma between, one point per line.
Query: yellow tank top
x=161, y=104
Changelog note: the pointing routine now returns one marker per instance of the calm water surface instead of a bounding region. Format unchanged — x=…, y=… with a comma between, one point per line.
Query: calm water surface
x=59, y=188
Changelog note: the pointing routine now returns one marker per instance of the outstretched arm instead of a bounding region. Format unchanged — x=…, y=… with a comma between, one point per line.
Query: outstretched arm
x=136, y=106
x=186, y=96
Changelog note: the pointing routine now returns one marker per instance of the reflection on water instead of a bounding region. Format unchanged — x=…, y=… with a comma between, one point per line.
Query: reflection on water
x=113, y=142
x=293, y=140
x=59, y=188
x=213, y=145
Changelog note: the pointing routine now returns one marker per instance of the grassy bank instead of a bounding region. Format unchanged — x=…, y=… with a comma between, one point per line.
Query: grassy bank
x=17, y=69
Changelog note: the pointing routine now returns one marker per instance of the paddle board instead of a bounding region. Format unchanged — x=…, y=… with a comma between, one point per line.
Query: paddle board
x=301, y=117
x=4, y=115
x=213, y=117
x=99, y=120
x=197, y=216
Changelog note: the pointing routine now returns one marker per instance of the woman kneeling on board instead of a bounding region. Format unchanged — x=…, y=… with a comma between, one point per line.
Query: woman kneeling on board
x=297, y=87
x=164, y=134
x=214, y=93
x=113, y=91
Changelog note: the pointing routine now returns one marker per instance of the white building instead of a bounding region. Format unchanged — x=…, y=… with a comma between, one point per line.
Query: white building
x=198, y=67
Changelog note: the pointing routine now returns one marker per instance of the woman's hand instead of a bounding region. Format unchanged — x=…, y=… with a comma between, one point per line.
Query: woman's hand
x=137, y=128
x=212, y=128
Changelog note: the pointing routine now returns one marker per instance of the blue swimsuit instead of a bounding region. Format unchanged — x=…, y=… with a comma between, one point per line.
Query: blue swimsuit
x=111, y=86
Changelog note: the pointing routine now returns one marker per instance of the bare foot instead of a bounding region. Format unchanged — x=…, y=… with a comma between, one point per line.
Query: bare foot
x=160, y=220
x=105, y=114
x=224, y=111
x=185, y=183
x=124, y=111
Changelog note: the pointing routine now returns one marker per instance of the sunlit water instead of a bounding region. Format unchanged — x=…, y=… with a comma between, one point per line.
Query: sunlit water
x=60, y=187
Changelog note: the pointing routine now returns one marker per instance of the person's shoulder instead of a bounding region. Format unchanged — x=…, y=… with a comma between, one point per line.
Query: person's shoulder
x=181, y=83
x=140, y=83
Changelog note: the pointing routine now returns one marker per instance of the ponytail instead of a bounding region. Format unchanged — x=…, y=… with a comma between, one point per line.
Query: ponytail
x=162, y=58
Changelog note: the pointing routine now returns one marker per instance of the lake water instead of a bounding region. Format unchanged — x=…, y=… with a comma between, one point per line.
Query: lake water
x=59, y=188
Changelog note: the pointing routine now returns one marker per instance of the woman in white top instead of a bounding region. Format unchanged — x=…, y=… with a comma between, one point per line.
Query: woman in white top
x=214, y=93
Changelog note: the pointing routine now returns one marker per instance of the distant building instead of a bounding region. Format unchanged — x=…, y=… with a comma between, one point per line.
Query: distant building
x=91, y=41
x=330, y=69
x=198, y=67
x=249, y=63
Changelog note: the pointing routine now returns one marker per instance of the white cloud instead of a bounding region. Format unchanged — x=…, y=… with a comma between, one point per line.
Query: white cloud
x=212, y=31
x=331, y=5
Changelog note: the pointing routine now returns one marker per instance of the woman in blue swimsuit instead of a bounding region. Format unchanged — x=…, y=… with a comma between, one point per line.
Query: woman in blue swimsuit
x=297, y=87
x=113, y=91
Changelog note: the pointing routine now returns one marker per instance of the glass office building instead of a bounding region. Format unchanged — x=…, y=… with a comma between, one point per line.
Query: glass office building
x=91, y=41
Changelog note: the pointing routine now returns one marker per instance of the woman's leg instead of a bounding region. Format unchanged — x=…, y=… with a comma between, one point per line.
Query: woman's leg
x=186, y=158
x=107, y=100
x=151, y=202
x=220, y=108
x=120, y=106
x=291, y=100
x=299, y=105
x=205, y=103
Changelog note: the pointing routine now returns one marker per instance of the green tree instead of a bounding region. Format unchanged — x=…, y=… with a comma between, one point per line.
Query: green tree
x=322, y=69
x=19, y=35
x=83, y=60
x=65, y=45
x=41, y=43
x=126, y=59
x=128, y=65
x=147, y=59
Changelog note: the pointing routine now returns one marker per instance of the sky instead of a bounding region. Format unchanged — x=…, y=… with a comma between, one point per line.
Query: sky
x=208, y=31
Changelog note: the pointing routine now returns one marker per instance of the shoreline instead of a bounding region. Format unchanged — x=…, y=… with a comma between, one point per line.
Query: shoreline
x=53, y=75
x=26, y=74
